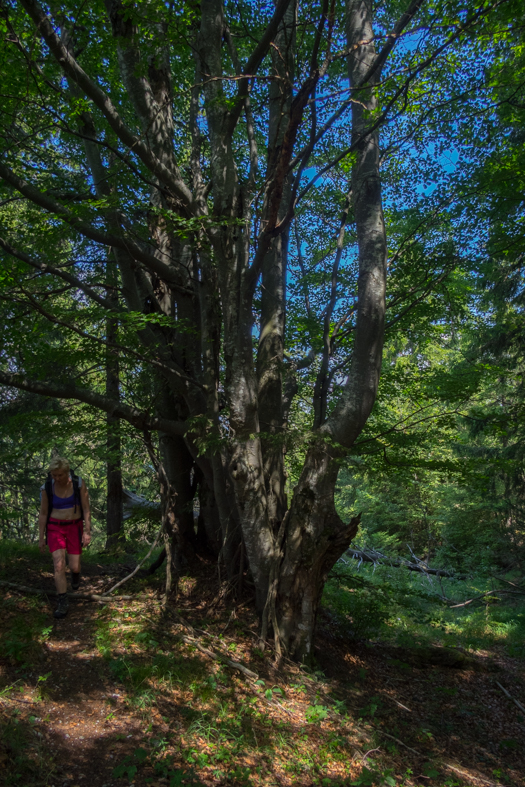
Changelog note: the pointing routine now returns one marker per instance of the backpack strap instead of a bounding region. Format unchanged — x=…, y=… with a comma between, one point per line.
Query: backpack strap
x=77, y=486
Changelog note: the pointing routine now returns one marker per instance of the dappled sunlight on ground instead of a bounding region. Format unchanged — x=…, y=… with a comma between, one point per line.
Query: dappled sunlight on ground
x=124, y=693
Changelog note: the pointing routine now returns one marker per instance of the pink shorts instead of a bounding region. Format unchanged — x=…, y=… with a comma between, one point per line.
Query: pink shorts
x=65, y=534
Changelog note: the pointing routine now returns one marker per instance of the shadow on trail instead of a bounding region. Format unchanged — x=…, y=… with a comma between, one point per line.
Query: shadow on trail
x=451, y=714
x=111, y=695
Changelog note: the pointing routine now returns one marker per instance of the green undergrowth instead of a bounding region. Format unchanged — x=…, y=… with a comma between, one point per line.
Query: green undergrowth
x=11, y=551
x=27, y=759
x=24, y=628
x=407, y=608
x=22, y=635
x=218, y=724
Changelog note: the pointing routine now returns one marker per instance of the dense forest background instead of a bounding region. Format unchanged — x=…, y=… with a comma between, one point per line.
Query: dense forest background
x=95, y=370
x=262, y=282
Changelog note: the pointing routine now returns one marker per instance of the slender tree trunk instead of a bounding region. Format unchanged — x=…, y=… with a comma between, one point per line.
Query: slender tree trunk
x=114, y=529
x=270, y=354
x=178, y=464
x=314, y=536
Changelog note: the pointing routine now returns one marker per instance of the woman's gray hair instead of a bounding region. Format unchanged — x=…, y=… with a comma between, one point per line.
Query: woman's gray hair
x=58, y=463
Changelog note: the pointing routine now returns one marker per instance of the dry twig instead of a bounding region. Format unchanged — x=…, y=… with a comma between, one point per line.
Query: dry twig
x=468, y=775
x=122, y=581
x=387, y=735
x=520, y=706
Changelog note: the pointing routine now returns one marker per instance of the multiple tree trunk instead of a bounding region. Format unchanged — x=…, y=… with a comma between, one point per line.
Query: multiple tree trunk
x=221, y=407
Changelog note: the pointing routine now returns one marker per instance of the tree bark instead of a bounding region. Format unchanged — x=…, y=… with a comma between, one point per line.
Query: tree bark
x=314, y=538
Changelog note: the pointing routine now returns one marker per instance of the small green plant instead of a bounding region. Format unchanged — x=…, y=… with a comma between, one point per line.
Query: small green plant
x=509, y=744
x=370, y=777
x=315, y=713
x=25, y=760
x=429, y=770
x=372, y=707
x=41, y=692
x=8, y=689
x=144, y=638
x=130, y=764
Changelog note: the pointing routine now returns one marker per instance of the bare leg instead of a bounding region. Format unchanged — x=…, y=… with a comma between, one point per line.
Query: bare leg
x=59, y=566
x=74, y=563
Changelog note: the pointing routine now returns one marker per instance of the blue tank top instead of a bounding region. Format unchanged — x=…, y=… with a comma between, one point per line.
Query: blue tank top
x=63, y=502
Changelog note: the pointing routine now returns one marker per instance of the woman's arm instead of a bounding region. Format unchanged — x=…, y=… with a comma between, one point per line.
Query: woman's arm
x=86, y=510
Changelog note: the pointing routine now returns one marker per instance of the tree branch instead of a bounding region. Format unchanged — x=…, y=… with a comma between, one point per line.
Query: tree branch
x=44, y=267
x=137, y=418
x=73, y=70
x=165, y=368
x=323, y=379
x=380, y=120
x=256, y=59
x=392, y=38
x=123, y=242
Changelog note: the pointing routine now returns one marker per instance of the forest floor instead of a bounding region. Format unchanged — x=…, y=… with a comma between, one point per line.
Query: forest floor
x=125, y=693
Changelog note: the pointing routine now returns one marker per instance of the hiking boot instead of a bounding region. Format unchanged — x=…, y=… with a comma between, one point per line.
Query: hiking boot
x=62, y=606
x=75, y=580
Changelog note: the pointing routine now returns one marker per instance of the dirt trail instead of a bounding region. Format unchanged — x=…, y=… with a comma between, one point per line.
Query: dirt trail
x=78, y=722
x=76, y=711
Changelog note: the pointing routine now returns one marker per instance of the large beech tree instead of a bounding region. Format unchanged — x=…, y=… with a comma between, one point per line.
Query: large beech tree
x=199, y=151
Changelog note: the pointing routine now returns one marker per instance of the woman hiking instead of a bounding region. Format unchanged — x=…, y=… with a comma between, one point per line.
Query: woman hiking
x=65, y=518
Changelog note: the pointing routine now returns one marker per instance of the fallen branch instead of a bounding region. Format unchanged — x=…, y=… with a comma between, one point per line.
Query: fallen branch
x=193, y=639
x=387, y=735
x=122, y=581
x=485, y=595
x=138, y=506
x=469, y=775
x=507, y=581
x=39, y=592
x=377, y=558
x=7, y=700
x=445, y=765
x=212, y=654
x=520, y=706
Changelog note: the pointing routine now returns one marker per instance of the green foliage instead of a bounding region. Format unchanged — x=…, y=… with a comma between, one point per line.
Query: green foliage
x=163, y=768
x=371, y=777
x=315, y=713
x=22, y=635
x=409, y=609
x=28, y=759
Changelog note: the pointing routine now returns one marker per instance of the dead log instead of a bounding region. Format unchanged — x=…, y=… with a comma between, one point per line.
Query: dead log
x=138, y=506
